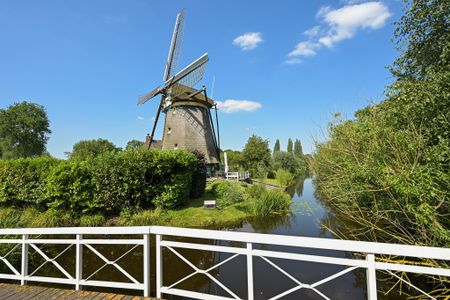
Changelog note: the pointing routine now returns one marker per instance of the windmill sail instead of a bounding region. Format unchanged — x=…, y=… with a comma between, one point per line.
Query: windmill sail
x=184, y=84
x=144, y=98
x=190, y=75
x=175, y=45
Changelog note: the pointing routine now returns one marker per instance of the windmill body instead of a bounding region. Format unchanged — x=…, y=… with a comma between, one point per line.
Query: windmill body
x=188, y=122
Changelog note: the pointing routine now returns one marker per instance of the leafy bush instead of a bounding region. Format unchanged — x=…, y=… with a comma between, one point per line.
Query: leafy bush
x=255, y=191
x=109, y=183
x=23, y=181
x=271, y=202
x=142, y=179
x=174, y=193
x=227, y=193
x=285, y=177
x=219, y=187
x=70, y=186
x=199, y=176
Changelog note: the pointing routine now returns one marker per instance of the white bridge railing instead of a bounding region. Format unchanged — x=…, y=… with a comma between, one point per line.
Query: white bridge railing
x=237, y=176
x=365, y=257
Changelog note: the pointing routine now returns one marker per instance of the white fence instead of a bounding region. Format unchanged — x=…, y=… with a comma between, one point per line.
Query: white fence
x=365, y=257
x=237, y=176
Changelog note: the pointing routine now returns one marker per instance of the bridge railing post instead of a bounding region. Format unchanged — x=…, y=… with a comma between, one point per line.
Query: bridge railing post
x=250, y=271
x=146, y=257
x=371, y=277
x=24, y=266
x=159, y=267
x=78, y=261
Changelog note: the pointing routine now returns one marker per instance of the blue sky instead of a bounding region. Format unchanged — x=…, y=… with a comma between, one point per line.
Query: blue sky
x=288, y=65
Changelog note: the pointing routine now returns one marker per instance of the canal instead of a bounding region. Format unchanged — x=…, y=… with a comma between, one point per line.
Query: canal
x=310, y=218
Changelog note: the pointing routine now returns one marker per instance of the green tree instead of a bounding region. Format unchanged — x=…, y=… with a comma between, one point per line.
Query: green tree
x=276, y=148
x=287, y=161
x=289, y=145
x=256, y=154
x=298, y=151
x=24, y=130
x=422, y=36
x=91, y=148
x=235, y=159
x=133, y=145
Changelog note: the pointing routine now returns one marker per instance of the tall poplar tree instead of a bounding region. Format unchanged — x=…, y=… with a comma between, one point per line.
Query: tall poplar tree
x=276, y=148
x=298, y=151
x=289, y=146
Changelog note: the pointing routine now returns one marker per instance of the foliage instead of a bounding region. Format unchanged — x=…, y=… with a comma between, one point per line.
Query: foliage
x=219, y=187
x=142, y=218
x=285, y=177
x=298, y=151
x=287, y=161
x=70, y=185
x=422, y=36
x=255, y=191
x=91, y=148
x=24, y=130
x=10, y=218
x=109, y=183
x=289, y=146
x=142, y=179
x=92, y=220
x=235, y=159
x=134, y=145
x=199, y=176
x=227, y=193
x=256, y=154
x=23, y=181
x=276, y=148
x=53, y=218
x=271, y=202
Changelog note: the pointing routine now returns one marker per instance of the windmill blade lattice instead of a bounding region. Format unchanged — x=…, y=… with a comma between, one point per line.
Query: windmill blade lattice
x=175, y=46
x=188, y=81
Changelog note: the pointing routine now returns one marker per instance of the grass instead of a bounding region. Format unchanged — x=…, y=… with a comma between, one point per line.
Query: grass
x=272, y=181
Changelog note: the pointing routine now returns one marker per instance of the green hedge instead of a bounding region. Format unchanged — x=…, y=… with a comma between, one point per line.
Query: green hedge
x=23, y=181
x=107, y=183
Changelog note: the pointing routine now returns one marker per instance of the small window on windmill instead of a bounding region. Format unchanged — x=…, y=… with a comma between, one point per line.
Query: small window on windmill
x=176, y=146
x=169, y=130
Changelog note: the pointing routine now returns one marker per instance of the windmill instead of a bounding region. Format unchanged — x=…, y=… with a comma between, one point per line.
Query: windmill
x=188, y=120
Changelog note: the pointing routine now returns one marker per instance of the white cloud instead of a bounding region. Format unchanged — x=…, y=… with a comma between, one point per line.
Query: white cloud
x=232, y=106
x=306, y=48
x=340, y=24
x=249, y=40
x=313, y=31
x=140, y=118
x=344, y=22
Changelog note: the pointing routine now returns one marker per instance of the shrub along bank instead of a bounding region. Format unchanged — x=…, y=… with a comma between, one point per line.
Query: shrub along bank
x=108, y=183
x=237, y=202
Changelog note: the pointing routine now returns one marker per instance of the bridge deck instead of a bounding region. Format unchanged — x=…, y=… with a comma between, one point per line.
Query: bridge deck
x=28, y=292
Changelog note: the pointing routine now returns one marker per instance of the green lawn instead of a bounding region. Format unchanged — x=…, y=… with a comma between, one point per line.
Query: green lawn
x=272, y=181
